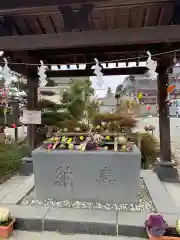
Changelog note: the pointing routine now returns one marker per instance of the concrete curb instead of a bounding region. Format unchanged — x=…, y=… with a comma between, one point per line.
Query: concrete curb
x=73, y=221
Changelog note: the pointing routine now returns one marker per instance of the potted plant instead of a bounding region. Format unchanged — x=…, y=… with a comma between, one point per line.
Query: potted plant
x=157, y=229
x=6, y=223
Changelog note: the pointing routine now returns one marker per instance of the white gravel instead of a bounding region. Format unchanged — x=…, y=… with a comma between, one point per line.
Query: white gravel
x=145, y=203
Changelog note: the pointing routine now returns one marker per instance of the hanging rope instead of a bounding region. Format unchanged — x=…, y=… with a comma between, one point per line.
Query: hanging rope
x=90, y=63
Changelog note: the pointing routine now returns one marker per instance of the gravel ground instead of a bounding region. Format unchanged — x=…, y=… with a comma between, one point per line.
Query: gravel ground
x=145, y=203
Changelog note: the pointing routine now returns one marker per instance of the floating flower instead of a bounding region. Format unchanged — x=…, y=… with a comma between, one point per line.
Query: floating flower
x=50, y=146
x=69, y=140
x=82, y=148
x=123, y=148
x=107, y=138
x=62, y=146
x=129, y=148
x=56, y=139
x=70, y=146
x=81, y=138
x=63, y=139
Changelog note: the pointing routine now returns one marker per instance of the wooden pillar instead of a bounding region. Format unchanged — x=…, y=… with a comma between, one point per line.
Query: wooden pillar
x=164, y=120
x=31, y=105
x=165, y=169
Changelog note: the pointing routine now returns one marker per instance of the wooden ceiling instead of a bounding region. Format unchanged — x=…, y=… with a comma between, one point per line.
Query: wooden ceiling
x=116, y=29
x=101, y=15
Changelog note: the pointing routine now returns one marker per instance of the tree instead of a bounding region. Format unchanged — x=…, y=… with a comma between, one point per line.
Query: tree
x=92, y=109
x=66, y=97
x=119, y=88
x=78, y=97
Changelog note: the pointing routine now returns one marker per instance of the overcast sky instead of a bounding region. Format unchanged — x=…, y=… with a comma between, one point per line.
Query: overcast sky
x=109, y=81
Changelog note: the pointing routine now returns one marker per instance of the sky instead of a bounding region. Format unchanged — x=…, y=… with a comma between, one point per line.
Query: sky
x=109, y=81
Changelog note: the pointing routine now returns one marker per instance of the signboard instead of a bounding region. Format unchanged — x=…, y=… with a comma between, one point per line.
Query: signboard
x=31, y=117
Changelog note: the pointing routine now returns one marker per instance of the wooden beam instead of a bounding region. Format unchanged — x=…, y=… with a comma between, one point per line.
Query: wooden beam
x=89, y=72
x=92, y=38
x=15, y=6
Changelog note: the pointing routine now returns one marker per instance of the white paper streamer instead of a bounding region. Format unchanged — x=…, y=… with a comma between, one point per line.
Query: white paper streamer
x=151, y=65
x=97, y=71
x=42, y=75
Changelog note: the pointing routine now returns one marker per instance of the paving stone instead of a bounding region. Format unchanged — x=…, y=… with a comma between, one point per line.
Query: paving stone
x=15, y=196
x=161, y=199
x=174, y=191
x=80, y=221
x=7, y=189
x=23, y=235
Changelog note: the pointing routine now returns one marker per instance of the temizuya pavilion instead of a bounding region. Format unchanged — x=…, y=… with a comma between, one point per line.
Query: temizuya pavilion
x=77, y=31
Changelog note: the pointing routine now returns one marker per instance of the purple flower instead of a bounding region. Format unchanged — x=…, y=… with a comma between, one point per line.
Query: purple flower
x=156, y=225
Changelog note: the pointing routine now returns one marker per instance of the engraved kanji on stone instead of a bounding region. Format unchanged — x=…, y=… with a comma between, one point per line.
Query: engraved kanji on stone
x=106, y=177
x=63, y=177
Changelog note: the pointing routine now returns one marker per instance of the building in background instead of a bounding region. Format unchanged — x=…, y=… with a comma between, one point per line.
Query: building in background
x=62, y=84
x=108, y=103
x=148, y=87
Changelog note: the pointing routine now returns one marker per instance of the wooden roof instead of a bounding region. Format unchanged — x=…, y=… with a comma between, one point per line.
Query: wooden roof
x=76, y=31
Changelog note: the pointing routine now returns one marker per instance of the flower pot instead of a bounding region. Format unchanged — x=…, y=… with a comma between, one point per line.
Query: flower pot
x=6, y=231
x=164, y=237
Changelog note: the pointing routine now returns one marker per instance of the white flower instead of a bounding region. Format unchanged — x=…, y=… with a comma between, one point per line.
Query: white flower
x=4, y=214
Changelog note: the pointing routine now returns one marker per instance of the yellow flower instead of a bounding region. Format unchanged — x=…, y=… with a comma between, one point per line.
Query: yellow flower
x=82, y=149
x=70, y=146
x=70, y=139
x=81, y=138
x=123, y=148
x=61, y=146
x=107, y=137
x=56, y=139
x=178, y=226
x=63, y=139
x=98, y=127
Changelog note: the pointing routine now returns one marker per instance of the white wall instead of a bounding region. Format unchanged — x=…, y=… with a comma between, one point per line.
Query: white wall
x=22, y=132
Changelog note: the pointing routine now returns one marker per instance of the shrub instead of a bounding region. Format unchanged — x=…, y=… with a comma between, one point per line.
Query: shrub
x=116, y=120
x=10, y=159
x=149, y=148
x=71, y=125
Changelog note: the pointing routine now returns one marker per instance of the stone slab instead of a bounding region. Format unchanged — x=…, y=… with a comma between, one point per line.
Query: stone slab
x=74, y=221
x=24, y=235
x=7, y=188
x=163, y=202
x=81, y=221
x=174, y=191
x=100, y=175
x=16, y=196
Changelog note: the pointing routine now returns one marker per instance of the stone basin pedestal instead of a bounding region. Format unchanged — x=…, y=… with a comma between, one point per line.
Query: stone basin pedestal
x=92, y=175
